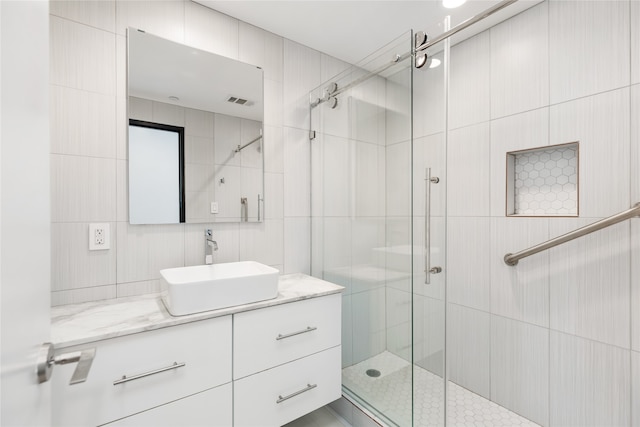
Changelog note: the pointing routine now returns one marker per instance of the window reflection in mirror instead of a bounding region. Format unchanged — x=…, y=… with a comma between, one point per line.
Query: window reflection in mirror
x=219, y=103
x=156, y=173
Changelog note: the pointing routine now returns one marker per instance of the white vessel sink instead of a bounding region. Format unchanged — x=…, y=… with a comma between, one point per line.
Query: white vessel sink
x=200, y=288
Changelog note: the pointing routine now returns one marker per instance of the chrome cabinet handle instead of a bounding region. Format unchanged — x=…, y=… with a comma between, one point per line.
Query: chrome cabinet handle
x=307, y=388
x=125, y=379
x=293, y=334
x=427, y=227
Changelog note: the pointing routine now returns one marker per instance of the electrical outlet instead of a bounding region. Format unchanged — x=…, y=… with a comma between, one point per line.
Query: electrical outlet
x=99, y=237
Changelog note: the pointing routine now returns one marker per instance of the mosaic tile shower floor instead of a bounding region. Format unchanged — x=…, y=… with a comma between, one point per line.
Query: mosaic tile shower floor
x=391, y=392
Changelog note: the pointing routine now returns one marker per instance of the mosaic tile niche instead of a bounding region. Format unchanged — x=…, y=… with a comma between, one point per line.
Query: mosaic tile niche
x=543, y=181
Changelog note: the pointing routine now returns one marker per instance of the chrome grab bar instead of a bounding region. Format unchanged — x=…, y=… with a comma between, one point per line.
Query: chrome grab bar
x=512, y=259
x=307, y=388
x=125, y=379
x=427, y=227
x=293, y=334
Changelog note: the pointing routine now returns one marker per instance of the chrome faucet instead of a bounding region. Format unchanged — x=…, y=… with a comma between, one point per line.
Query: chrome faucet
x=210, y=245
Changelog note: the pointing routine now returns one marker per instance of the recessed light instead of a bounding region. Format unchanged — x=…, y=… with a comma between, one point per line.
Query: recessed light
x=450, y=4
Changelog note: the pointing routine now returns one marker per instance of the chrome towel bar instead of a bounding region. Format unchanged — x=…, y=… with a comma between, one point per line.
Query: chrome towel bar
x=512, y=259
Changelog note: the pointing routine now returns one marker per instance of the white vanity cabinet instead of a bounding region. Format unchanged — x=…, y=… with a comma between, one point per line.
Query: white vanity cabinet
x=203, y=347
x=286, y=361
x=262, y=364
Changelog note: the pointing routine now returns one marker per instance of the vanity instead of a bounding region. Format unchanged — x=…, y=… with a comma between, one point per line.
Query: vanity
x=260, y=364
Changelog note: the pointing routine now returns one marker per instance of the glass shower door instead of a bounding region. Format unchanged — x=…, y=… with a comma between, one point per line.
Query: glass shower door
x=362, y=160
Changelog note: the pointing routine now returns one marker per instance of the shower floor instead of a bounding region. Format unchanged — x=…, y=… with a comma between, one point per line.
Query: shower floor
x=391, y=394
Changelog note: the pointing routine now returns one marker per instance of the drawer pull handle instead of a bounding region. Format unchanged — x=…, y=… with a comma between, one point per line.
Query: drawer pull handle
x=293, y=334
x=307, y=388
x=125, y=379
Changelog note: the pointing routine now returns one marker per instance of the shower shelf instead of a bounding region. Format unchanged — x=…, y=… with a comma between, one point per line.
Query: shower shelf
x=543, y=181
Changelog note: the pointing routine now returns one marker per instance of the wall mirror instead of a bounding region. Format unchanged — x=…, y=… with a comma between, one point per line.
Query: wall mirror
x=215, y=172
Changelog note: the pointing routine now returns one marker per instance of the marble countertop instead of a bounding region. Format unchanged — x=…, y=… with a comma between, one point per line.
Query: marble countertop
x=76, y=324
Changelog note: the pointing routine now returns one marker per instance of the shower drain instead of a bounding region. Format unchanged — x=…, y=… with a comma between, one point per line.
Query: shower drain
x=373, y=373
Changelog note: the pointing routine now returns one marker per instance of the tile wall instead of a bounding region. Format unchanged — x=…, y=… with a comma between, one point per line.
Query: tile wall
x=557, y=338
x=89, y=147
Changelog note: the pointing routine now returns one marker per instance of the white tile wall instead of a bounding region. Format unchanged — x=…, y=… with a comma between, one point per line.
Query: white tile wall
x=520, y=79
x=72, y=265
x=601, y=124
x=428, y=110
x=369, y=325
x=263, y=242
x=635, y=42
x=164, y=19
x=99, y=14
x=211, y=31
x=83, y=189
x=520, y=292
x=469, y=341
x=85, y=122
x=589, y=283
x=337, y=180
x=142, y=251
x=520, y=368
x=301, y=73
x=274, y=195
x=82, y=57
x=469, y=262
x=398, y=173
x=518, y=132
x=77, y=296
x=577, y=29
x=297, y=241
x=469, y=171
x=138, y=288
x=398, y=107
x=368, y=111
x=635, y=143
x=635, y=284
x=347, y=331
x=368, y=186
x=635, y=389
x=297, y=163
x=470, y=81
x=590, y=383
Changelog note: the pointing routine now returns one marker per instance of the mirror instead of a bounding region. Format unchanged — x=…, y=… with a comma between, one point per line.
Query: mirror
x=195, y=134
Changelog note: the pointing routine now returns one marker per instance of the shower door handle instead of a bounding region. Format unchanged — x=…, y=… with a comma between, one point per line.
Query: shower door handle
x=428, y=271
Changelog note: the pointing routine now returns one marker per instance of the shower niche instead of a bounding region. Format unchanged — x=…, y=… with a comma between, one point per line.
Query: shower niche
x=543, y=181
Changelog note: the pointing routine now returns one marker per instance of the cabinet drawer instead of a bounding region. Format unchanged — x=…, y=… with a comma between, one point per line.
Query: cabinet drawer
x=277, y=396
x=275, y=335
x=204, y=348
x=211, y=408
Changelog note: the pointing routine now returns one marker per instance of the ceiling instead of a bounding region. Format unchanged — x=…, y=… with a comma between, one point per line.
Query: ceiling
x=351, y=30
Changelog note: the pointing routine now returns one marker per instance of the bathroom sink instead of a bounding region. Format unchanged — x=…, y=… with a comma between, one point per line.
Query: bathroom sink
x=188, y=290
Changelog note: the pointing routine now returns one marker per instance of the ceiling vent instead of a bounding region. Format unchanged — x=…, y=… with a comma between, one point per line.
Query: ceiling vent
x=236, y=100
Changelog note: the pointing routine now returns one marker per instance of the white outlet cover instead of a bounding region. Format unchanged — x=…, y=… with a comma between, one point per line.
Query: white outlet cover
x=93, y=230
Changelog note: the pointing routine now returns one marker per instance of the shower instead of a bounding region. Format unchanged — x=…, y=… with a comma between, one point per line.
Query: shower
x=410, y=179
